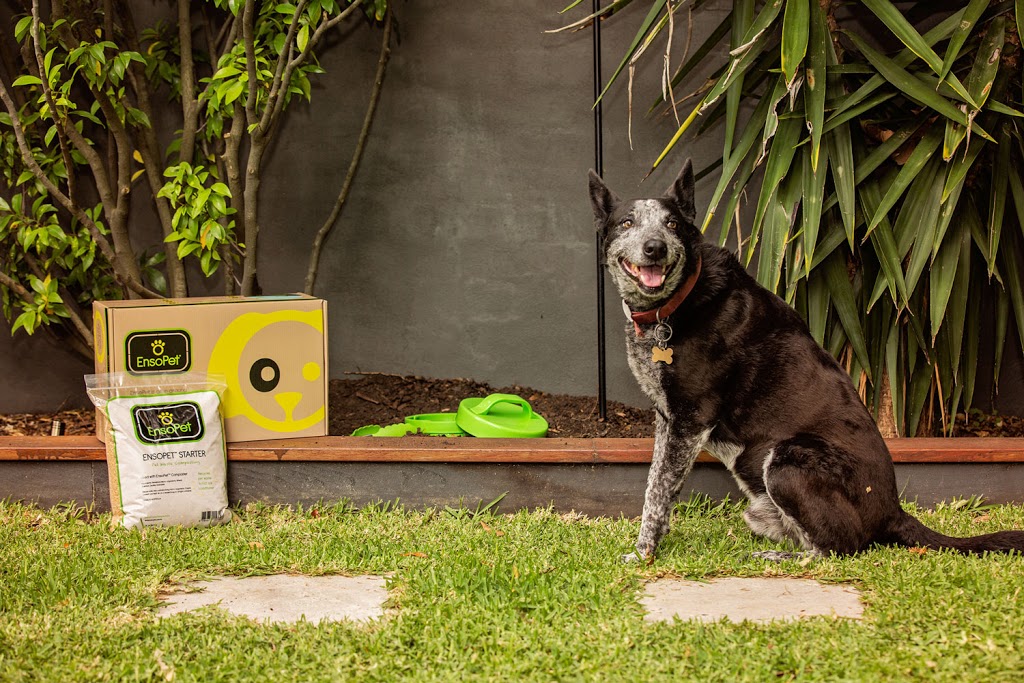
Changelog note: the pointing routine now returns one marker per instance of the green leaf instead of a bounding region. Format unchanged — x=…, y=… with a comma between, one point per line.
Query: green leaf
x=958, y=169
x=918, y=396
x=713, y=41
x=27, y=320
x=884, y=243
x=816, y=77
x=303, y=38
x=779, y=165
x=922, y=221
x=742, y=56
x=956, y=314
x=971, y=14
x=997, y=197
x=1000, y=339
x=979, y=81
x=778, y=220
x=641, y=35
x=27, y=79
x=1010, y=258
x=742, y=17
x=942, y=275
x=751, y=132
x=1018, y=13
x=880, y=154
x=817, y=308
x=912, y=87
x=972, y=330
x=795, y=23
x=841, y=290
x=839, y=146
x=897, y=386
x=21, y=29
x=741, y=59
x=904, y=58
x=813, y=193
x=918, y=159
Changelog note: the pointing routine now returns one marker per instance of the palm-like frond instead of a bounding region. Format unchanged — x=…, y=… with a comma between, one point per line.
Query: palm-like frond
x=890, y=204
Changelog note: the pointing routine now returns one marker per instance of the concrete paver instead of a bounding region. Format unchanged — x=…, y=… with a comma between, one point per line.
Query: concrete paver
x=752, y=599
x=287, y=597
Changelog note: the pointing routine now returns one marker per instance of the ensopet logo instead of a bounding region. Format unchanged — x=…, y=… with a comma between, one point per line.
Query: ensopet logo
x=168, y=423
x=158, y=351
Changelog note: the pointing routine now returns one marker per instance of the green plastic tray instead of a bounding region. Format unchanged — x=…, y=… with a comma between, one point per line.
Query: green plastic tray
x=390, y=430
x=500, y=416
x=436, y=424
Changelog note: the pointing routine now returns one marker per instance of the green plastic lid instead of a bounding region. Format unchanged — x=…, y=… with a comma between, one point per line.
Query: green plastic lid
x=500, y=416
x=391, y=430
x=436, y=424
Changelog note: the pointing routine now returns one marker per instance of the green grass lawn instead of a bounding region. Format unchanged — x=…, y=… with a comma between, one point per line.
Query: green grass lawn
x=528, y=596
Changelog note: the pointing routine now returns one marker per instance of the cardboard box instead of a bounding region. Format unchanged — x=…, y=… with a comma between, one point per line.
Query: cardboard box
x=272, y=351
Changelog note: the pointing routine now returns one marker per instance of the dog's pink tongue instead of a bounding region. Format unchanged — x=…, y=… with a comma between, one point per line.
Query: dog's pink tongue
x=651, y=276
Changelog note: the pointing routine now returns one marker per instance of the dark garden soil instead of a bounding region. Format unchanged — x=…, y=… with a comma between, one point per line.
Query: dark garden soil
x=384, y=399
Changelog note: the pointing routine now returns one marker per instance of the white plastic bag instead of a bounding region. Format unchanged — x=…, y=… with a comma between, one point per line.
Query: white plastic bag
x=166, y=455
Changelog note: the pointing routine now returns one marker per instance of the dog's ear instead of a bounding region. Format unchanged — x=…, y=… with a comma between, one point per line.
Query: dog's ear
x=601, y=198
x=681, y=192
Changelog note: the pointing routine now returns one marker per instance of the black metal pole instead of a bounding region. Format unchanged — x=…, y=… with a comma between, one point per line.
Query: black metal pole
x=602, y=373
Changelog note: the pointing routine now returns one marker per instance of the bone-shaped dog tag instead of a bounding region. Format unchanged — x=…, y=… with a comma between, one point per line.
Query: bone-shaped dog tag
x=660, y=355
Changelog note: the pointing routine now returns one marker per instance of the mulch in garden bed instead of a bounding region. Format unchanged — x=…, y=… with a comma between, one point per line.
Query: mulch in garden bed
x=382, y=399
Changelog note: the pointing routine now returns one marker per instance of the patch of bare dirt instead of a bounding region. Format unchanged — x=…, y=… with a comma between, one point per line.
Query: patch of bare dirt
x=384, y=399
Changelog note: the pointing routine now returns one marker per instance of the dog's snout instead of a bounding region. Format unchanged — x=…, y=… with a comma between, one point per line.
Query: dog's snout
x=655, y=249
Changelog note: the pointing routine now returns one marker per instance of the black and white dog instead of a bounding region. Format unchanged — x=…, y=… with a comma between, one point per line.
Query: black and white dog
x=732, y=370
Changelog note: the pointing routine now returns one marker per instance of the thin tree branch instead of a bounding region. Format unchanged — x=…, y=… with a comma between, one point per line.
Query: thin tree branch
x=189, y=105
x=152, y=163
x=48, y=94
x=75, y=317
x=325, y=229
x=283, y=60
x=250, y=61
x=232, y=144
x=286, y=78
x=15, y=286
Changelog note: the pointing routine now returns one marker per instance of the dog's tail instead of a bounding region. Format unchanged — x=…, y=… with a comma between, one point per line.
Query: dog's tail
x=909, y=531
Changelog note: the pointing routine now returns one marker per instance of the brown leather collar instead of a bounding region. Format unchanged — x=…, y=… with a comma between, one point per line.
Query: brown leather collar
x=669, y=307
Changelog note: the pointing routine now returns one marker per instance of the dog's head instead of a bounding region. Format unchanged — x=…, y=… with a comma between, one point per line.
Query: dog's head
x=647, y=244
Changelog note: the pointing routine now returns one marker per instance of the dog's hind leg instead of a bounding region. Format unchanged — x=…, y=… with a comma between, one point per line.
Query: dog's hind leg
x=675, y=451
x=766, y=519
x=808, y=484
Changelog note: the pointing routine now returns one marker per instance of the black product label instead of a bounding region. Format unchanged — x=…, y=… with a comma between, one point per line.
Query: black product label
x=158, y=351
x=168, y=423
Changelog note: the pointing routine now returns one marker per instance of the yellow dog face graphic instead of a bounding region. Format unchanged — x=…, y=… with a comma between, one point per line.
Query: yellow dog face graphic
x=267, y=383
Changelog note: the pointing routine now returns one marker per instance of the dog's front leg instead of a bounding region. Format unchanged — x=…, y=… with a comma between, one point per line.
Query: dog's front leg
x=675, y=450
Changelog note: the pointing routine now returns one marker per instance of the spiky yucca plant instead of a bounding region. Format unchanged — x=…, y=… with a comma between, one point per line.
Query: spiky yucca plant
x=888, y=202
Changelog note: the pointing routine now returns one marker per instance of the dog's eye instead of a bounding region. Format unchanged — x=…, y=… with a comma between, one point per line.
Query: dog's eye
x=628, y=223
x=672, y=225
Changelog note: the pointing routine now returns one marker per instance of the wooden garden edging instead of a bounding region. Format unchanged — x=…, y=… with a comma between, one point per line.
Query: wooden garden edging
x=595, y=476
x=434, y=449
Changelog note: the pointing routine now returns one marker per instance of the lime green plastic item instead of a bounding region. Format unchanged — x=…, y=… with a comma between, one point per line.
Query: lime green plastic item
x=391, y=430
x=500, y=416
x=436, y=424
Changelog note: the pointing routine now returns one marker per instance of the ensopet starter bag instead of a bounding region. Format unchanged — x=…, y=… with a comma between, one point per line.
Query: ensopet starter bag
x=166, y=458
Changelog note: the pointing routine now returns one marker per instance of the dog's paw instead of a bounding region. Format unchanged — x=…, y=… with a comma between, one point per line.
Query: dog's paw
x=638, y=556
x=782, y=555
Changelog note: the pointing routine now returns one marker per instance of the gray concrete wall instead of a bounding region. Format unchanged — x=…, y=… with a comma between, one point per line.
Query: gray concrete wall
x=467, y=247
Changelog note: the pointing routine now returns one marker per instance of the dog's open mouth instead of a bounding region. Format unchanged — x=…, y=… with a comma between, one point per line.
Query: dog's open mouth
x=650, y=277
